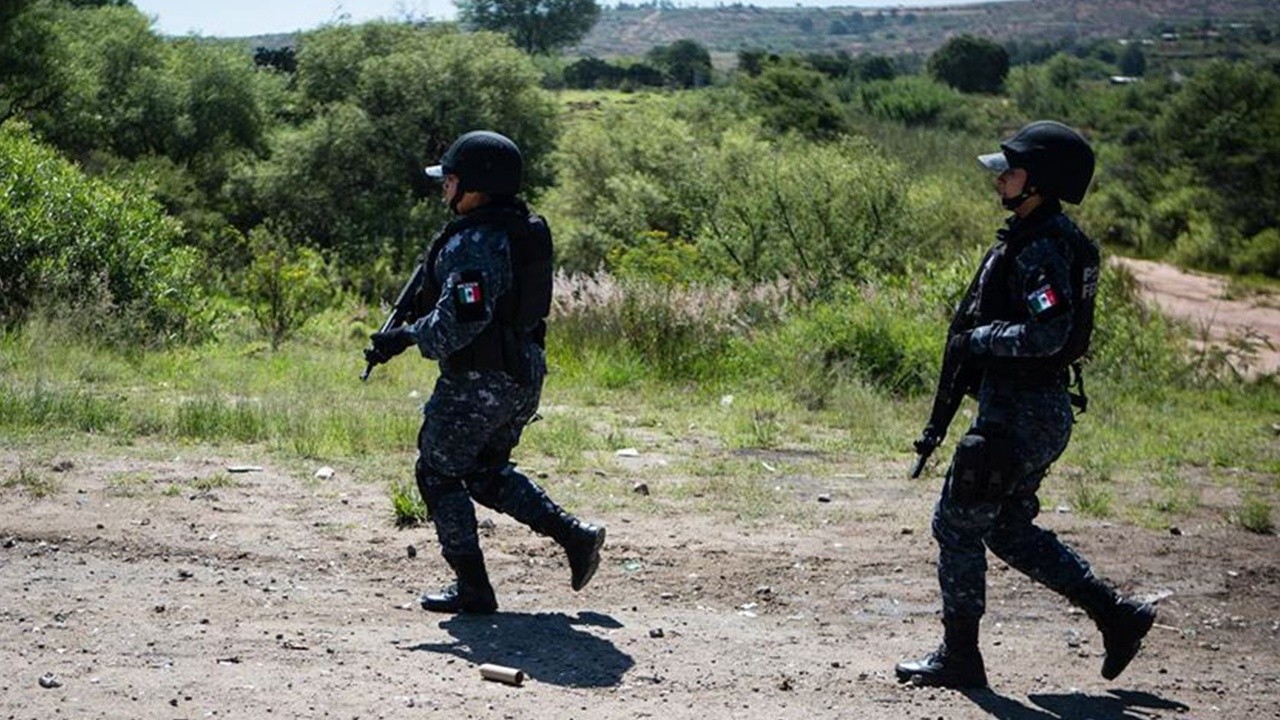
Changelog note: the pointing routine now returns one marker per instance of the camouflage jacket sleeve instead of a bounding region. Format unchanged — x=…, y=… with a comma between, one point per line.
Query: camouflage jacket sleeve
x=474, y=271
x=1041, y=286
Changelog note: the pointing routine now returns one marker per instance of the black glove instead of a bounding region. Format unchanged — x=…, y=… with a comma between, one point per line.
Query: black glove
x=929, y=439
x=387, y=345
x=958, y=345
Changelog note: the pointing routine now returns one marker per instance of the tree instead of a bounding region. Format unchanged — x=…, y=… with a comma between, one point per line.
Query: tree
x=685, y=61
x=33, y=67
x=1225, y=123
x=970, y=64
x=535, y=26
x=383, y=100
x=592, y=72
x=792, y=97
x=1133, y=61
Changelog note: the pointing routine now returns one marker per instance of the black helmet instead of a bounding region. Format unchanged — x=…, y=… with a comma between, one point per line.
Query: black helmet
x=484, y=161
x=1058, y=161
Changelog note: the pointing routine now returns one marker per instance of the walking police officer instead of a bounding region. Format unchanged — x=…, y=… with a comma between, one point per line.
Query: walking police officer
x=1026, y=318
x=481, y=310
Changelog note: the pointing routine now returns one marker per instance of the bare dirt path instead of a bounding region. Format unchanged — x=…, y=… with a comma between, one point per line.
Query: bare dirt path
x=282, y=596
x=1200, y=299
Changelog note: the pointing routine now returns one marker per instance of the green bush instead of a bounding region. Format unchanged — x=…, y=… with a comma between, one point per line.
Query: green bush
x=1261, y=254
x=815, y=213
x=910, y=100
x=104, y=258
x=284, y=285
x=792, y=98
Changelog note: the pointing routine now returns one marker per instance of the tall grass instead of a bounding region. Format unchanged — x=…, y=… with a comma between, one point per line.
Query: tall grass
x=688, y=371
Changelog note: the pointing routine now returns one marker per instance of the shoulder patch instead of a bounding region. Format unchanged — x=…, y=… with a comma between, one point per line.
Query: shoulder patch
x=469, y=295
x=1045, y=302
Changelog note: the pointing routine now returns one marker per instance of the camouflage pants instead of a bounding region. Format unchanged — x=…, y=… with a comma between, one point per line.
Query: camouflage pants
x=1038, y=425
x=470, y=425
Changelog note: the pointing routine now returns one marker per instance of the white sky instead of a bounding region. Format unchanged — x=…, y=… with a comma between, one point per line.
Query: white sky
x=237, y=18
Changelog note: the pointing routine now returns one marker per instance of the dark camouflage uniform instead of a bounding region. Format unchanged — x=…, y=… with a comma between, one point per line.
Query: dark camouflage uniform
x=1030, y=408
x=474, y=418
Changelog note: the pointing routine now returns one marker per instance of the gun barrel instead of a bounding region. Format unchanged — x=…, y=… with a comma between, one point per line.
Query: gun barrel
x=918, y=467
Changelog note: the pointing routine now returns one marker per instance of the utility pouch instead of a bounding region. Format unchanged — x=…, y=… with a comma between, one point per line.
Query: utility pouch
x=981, y=470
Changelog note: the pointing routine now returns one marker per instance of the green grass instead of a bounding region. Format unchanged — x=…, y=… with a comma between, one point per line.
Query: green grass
x=33, y=483
x=1254, y=515
x=407, y=507
x=716, y=442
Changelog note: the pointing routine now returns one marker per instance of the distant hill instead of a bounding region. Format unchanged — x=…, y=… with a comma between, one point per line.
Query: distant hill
x=633, y=29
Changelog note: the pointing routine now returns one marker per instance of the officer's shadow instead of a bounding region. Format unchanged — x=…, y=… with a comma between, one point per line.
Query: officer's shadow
x=548, y=647
x=1116, y=705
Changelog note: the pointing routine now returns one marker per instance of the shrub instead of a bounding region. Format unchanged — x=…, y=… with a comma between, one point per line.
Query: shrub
x=1261, y=254
x=89, y=251
x=910, y=100
x=790, y=97
x=284, y=285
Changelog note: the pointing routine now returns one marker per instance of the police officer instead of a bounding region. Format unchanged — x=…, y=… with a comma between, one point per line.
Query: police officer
x=481, y=313
x=1026, y=318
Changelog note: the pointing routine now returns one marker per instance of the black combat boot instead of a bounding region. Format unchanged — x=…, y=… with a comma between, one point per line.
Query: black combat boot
x=470, y=594
x=581, y=543
x=1123, y=623
x=956, y=663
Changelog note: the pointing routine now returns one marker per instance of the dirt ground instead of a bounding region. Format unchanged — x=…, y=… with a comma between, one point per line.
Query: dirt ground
x=286, y=597
x=1200, y=299
x=281, y=596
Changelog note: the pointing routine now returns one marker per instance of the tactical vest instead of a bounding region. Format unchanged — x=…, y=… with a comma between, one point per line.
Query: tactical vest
x=520, y=313
x=1003, y=301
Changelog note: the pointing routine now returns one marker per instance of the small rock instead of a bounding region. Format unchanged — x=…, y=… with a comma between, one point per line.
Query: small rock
x=628, y=452
x=656, y=632
x=667, y=596
x=185, y=574
x=640, y=488
x=1175, y=530
x=908, y=531
x=824, y=498
x=49, y=681
x=727, y=400
x=764, y=591
x=325, y=472
x=243, y=468
x=1063, y=509
x=486, y=524
x=63, y=466
x=9, y=543
x=411, y=551
x=159, y=608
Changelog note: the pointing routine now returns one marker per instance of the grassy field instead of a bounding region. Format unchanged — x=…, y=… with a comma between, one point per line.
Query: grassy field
x=1153, y=455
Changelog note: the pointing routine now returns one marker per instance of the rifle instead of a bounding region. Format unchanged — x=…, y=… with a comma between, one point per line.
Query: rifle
x=953, y=382
x=955, y=378
x=400, y=311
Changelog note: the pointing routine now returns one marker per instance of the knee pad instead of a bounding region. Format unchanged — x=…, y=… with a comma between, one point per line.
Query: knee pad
x=433, y=485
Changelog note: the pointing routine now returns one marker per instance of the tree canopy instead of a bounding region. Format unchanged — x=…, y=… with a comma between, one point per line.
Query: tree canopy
x=535, y=26
x=970, y=64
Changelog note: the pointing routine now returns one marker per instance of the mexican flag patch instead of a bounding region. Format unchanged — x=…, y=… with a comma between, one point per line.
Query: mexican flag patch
x=1042, y=300
x=470, y=294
